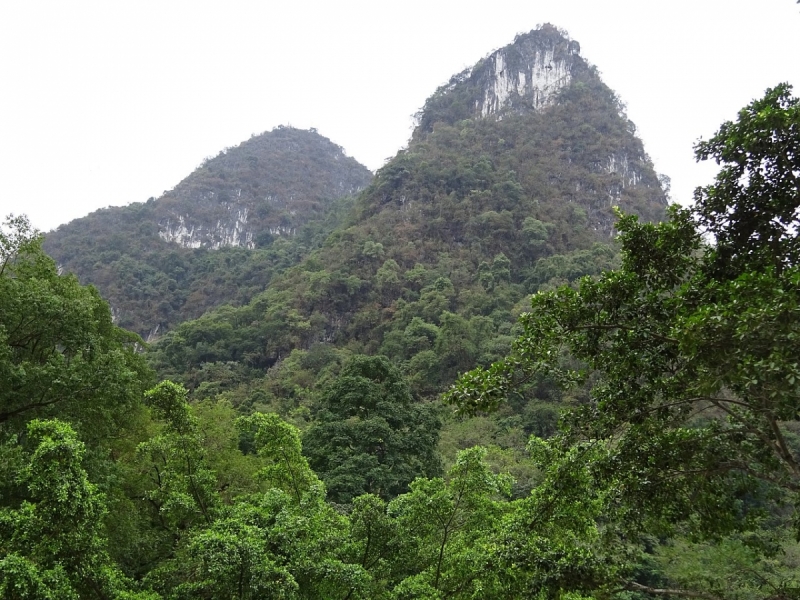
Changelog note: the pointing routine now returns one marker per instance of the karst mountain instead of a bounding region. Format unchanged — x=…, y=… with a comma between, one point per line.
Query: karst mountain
x=507, y=186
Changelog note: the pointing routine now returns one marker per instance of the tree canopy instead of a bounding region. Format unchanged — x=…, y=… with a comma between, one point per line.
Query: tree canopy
x=690, y=350
x=370, y=436
x=60, y=353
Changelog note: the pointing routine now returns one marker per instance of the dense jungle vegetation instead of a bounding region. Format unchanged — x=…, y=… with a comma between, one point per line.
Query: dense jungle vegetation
x=280, y=193
x=673, y=470
x=506, y=369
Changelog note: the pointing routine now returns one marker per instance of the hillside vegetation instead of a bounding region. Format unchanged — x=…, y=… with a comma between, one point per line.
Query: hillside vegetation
x=219, y=236
x=440, y=251
x=506, y=368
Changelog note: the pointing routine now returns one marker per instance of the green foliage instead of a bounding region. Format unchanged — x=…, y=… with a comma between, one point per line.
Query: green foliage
x=284, y=542
x=369, y=436
x=221, y=436
x=230, y=560
x=505, y=442
x=182, y=488
x=731, y=568
x=52, y=544
x=559, y=269
x=690, y=350
x=660, y=386
x=60, y=354
x=266, y=546
x=751, y=209
x=67, y=371
x=441, y=523
x=374, y=534
x=279, y=444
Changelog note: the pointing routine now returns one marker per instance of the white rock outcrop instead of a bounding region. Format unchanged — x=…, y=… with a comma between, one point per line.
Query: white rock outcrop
x=227, y=232
x=532, y=82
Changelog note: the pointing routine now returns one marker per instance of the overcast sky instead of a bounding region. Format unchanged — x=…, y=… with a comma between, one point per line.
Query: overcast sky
x=107, y=103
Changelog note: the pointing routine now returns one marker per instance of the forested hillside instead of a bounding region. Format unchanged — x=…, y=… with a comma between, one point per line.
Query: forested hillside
x=505, y=369
x=443, y=247
x=219, y=236
x=674, y=474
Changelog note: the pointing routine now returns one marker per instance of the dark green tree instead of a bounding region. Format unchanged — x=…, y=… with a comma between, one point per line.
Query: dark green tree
x=370, y=436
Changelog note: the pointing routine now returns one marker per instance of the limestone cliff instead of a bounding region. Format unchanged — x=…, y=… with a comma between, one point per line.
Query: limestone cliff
x=526, y=75
x=267, y=186
x=540, y=92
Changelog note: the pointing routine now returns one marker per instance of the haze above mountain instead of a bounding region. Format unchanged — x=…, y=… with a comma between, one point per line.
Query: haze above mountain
x=117, y=104
x=542, y=144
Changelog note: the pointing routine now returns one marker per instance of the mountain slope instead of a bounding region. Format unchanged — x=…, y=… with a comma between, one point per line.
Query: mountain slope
x=218, y=236
x=520, y=78
x=268, y=186
x=507, y=184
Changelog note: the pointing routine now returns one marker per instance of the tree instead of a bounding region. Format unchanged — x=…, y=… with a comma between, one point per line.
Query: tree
x=370, y=436
x=182, y=490
x=691, y=350
x=278, y=444
x=53, y=544
x=63, y=359
x=283, y=543
x=441, y=525
x=60, y=353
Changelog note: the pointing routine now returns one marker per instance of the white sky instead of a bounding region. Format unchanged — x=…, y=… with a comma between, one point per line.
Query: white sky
x=106, y=103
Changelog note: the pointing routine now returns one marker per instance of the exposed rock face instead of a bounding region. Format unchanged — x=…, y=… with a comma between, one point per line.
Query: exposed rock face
x=526, y=74
x=538, y=102
x=526, y=77
x=244, y=196
x=268, y=186
x=523, y=76
x=231, y=233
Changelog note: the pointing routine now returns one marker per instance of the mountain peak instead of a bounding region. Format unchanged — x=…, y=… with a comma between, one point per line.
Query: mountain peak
x=528, y=73
x=174, y=257
x=270, y=184
x=524, y=76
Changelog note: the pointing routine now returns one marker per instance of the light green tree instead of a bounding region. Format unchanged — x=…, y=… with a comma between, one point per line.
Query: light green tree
x=443, y=526
x=691, y=349
x=60, y=353
x=286, y=542
x=52, y=543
